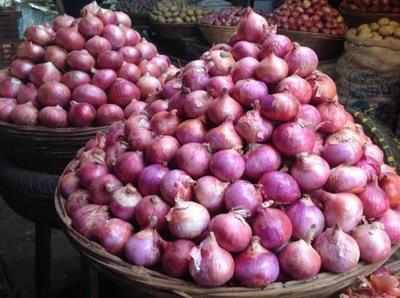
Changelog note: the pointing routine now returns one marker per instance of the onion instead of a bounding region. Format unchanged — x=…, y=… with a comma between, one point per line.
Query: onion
x=310, y=171
x=302, y=61
x=370, y=168
x=261, y=159
x=193, y=158
x=272, y=69
x=191, y=131
x=324, y=88
x=62, y=21
x=21, y=68
x=128, y=166
x=109, y=60
x=196, y=103
x=146, y=49
x=248, y=91
x=223, y=137
x=243, y=49
x=89, y=172
x=176, y=184
x=391, y=221
x=242, y=195
x=132, y=37
x=256, y=266
x=374, y=200
x=150, y=178
x=278, y=44
x=122, y=92
x=104, y=78
x=342, y=150
x=124, y=202
x=151, y=211
x=131, y=55
x=224, y=108
x=347, y=179
x=218, y=85
x=339, y=252
x=141, y=138
x=107, y=16
x=293, y=138
x=209, y=192
x=252, y=27
x=280, y=187
x=27, y=93
x=114, y=151
x=108, y=114
x=40, y=35
x=333, y=117
x=136, y=108
x=244, y=69
x=143, y=248
x=57, y=56
x=7, y=105
x=162, y=61
x=176, y=257
x=159, y=105
x=253, y=128
x=25, y=114
x=390, y=183
x=297, y=86
x=53, y=117
x=305, y=217
x=149, y=86
x=97, y=45
x=90, y=26
x=279, y=106
x=114, y=235
x=76, y=201
x=43, y=73
x=10, y=87
x=69, y=183
x=219, y=62
x=75, y=78
x=90, y=94
x=195, y=78
x=374, y=153
x=88, y=219
x=70, y=39
x=373, y=241
x=308, y=116
x=171, y=88
x=131, y=73
x=115, y=35
x=227, y=165
x=150, y=68
x=162, y=149
x=30, y=51
x=199, y=63
x=81, y=114
x=272, y=226
x=80, y=60
x=102, y=188
x=4, y=74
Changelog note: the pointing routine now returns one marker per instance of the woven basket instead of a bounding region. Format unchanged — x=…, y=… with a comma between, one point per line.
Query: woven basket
x=41, y=148
x=356, y=18
x=217, y=34
x=175, y=31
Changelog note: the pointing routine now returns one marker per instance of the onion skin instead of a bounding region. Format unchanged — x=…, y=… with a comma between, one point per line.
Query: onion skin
x=53, y=94
x=90, y=94
x=195, y=78
x=108, y=114
x=70, y=39
x=209, y=192
x=227, y=165
x=69, y=183
x=76, y=201
x=143, y=248
x=27, y=93
x=243, y=49
x=161, y=150
x=347, y=179
x=7, y=106
x=256, y=266
x=136, y=107
x=252, y=27
x=272, y=69
x=115, y=35
x=280, y=187
x=242, y=195
x=101, y=189
x=191, y=131
x=122, y=92
x=391, y=221
x=374, y=200
x=44, y=72
x=97, y=45
x=196, y=103
x=302, y=61
x=342, y=150
x=165, y=123
x=128, y=167
x=324, y=88
x=10, y=87
x=244, y=69
x=219, y=84
x=254, y=128
x=75, y=78
x=80, y=60
x=224, y=108
x=81, y=114
x=248, y=91
x=390, y=183
x=193, y=158
x=130, y=54
x=279, y=107
x=150, y=178
x=279, y=44
x=151, y=211
x=109, y=60
x=333, y=117
x=90, y=26
x=114, y=234
x=297, y=86
x=29, y=50
x=21, y=68
x=176, y=257
x=25, y=114
x=223, y=137
x=308, y=116
x=339, y=251
x=124, y=202
x=176, y=184
x=89, y=218
x=55, y=117
x=261, y=159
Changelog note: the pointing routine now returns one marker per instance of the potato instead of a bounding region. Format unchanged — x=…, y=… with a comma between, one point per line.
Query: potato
x=364, y=27
x=386, y=30
x=374, y=26
x=383, y=21
x=394, y=24
x=397, y=32
x=365, y=35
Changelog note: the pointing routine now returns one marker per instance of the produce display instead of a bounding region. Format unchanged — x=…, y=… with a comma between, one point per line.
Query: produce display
x=244, y=170
x=80, y=72
x=315, y=16
x=172, y=11
x=137, y=6
x=384, y=28
x=390, y=6
x=225, y=17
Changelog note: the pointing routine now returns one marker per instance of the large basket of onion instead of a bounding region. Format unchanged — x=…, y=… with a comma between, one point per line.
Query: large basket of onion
x=71, y=79
x=255, y=182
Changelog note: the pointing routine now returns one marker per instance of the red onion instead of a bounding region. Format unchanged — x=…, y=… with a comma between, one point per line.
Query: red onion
x=187, y=220
x=219, y=62
x=10, y=87
x=373, y=241
x=390, y=184
x=30, y=51
x=196, y=103
x=91, y=94
x=104, y=78
x=141, y=138
x=109, y=113
x=218, y=85
x=109, y=60
x=176, y=257
x=306, y=216
x=25, y=114
x=80, y=60
x=62, y=21
x=27, y=93
x=88, y=219
x=302, y=61
x=159, y=105
x=272, y=226
x=333, y=117
x=89, y=172
x=107, y=16
x=146, y=49
x=308, y=116
x=53, y=94
x=374, y=153
x=191, y=131
x=227, y=165
x=252, y=27
x=7, y=105
x=261, y=159
x=324, y=88
x=114, y=151
x=21, y=68
x=149, y=180
x=131, y=55
x=199, y=63
x=209, y=192
x=40, y=35
x=280, y=187
x=69, y=183
x=56, y=55
x=243, y=49
x=256, y=266
x=193, y=158
x=151, y=211
x=370, y=168
x=124, y=202
x=149, y=85
x=279, y=106
x=132, y=37
x=122, y=92
x=310, y=171
x=45, y=72
x=143, y=248
x=97, y=45
x=81, y=114
x=224, y=136
x=176, y=184
x=211, y=265
x=102, y=188
x=244, y=69
x=272, y=69
x=136, y=108
x=4, y=74
x=253, y=128
x=278, y=44
x=130, y=72
x=76, y=201
x=70, y=39
x=176, y=102
x=391, y=221
x=53, y=117
x=342, y=150
x=90, y=26
x=248, y=91
x=297, y=86
x=114, y=235
x=75, y=78
x=374, y=200
x=339, y=252
x=293, y=138
x=150, y=68
x=162, y=61
x=162, y=149
x=224, y=108
x=128, y=166
x=115, y=35
x=171, y=88
x=347, y=179
x=195, y=78
x=242, y=195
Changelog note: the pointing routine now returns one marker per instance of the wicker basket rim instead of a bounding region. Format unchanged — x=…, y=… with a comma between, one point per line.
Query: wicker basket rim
x=368, y=14
x=312, y=35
